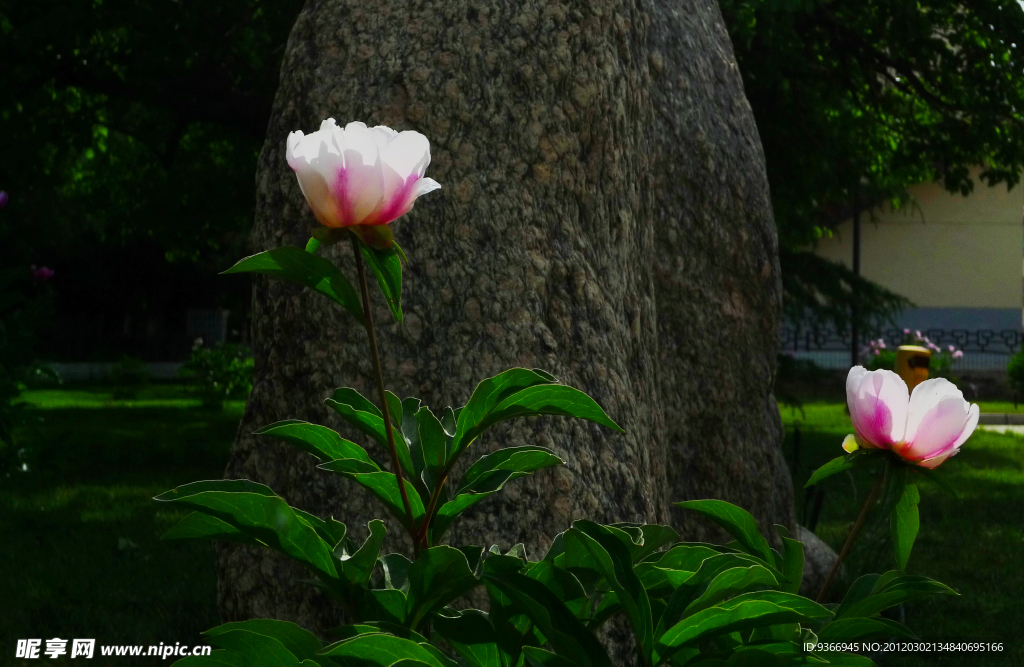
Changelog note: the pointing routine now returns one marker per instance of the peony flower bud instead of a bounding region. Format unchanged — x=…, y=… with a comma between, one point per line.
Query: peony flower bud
x=360, y=177
x=924, y=428
x=42, y=273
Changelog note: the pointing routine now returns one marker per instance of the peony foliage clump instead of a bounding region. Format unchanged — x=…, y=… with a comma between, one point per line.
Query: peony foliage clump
x=686, y=603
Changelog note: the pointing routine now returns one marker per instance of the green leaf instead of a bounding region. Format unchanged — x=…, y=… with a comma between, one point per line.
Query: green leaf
x=487, y=395
x=410, y=406
x=433, y=443
x=358, y=568
x=653, y=536
x=387, y=268
x=396, y=571
x=905, y=523
x=215, y=659
x=255, y=510
x=383, y=604
x=384, y=485
x=330, y=531
x=198, y=525
x=855, y=459
x=471, y=634
x=318, y=440
x=736, y=521
x=844, y=659
x=437, y=577
x=792, y=561
x=615, y=564
x=358, y=411
x=490, y=472
x=538, y=657
x=301, y=643
x=729, y=583
x=373, y=627
x=484, y=486
x=259, y=650
x=742, y=612
x=846, y=629
x=566, y=634
x=542, y=399
x=306, y=269
x=890, y=590
x=688, y=587
x=894, y=480
x=380, y=650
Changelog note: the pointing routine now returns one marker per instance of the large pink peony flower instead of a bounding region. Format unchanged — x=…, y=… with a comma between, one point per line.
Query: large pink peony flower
x=924, y=428
x=360, y=176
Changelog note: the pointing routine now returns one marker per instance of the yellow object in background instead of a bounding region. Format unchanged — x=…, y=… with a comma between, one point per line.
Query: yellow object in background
x=912, y=364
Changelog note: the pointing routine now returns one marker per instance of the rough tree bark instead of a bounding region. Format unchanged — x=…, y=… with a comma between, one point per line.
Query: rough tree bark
x=604, y=215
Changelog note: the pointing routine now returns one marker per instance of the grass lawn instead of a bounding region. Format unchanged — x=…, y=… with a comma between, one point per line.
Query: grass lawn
x=81, y=554
x=973, y=544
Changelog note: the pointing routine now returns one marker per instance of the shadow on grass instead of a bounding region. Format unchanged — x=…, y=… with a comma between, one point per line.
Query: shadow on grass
x=81, y=553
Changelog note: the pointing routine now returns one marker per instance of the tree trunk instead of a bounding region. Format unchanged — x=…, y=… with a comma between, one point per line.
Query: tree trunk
x=604, y=216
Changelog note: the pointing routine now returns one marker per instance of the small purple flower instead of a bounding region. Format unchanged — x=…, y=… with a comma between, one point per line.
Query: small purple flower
x=3, y=198
x=952, y=349
x=42, y=274
x=958, y=354
x=917, y=333
x=906, y=331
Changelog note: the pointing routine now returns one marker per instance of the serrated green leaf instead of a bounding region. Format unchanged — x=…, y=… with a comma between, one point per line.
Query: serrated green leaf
x=257, y=511
x=320, y=441
x=437, y=577
x=387, y=268
x=301, y=643
x=904, y=523
x=735, y=521
x=384, y=486
x=306, y=269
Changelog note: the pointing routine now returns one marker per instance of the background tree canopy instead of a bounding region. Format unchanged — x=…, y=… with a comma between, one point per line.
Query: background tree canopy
x=856, y=100
x=129, y=132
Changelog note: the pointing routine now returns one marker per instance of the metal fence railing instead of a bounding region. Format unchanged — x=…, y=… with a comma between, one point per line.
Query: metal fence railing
x=984, y=349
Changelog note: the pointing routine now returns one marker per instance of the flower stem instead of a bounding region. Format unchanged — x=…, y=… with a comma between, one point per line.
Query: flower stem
x=869, y=502
x=396, y=466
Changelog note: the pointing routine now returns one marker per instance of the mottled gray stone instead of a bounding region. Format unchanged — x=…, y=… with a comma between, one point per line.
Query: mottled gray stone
x=604, y=215
x=818, y=558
